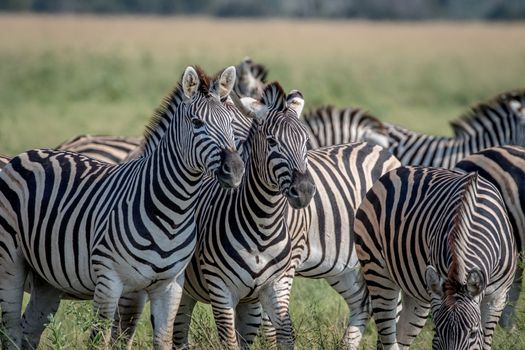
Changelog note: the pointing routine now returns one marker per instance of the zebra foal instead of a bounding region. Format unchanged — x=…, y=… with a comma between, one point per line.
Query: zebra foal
x=90, y=230
x=443, y=240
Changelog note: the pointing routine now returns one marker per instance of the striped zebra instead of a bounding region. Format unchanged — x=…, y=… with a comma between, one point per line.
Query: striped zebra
x=504, y=166
x=244, y=244
x=500, y=121
x=90, y=230
x=443, y=240
x=330, y=126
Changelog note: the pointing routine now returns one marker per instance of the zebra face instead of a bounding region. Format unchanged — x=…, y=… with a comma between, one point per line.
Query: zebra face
x=207, y=129
x=457, y=324
x=456, y=310
x=280, y=150
x=286, y=158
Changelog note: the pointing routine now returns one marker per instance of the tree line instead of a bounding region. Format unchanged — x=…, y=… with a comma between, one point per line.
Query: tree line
x=368, y=9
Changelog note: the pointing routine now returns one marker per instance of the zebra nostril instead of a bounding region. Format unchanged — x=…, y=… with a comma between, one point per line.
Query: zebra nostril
x=293, y=192
x=226, y=169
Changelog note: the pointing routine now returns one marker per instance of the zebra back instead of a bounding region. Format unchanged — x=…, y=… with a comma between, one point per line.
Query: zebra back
x=109, y=149
x=330, y=126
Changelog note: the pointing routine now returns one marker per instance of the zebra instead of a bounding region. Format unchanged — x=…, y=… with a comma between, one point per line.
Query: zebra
x=244, y=243
x=504, y=166
x=251, y=79
x=329, y=125
x=443, y=239
x=90, y=230
x=500, y=121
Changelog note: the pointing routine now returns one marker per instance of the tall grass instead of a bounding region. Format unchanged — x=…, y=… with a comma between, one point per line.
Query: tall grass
x=64, y=76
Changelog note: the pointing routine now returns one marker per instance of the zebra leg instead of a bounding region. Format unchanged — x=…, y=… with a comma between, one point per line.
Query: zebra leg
x=44, y=302
x=108, y=291
x=491, y=308
x=384, y=297
x=130, y=308
x=13, y=275
x=411, y=320
x=508, y=316
x=275, y=300
x=165, y=300
x=181, y=326
x=351, y=286
x=269, y=332
x=247, y=322
x=223, y=303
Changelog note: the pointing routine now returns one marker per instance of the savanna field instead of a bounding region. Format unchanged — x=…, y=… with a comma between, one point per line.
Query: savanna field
x=65, y=76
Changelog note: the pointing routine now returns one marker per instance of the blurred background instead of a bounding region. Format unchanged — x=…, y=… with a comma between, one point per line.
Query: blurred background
x=370, y=9
x=102, y=66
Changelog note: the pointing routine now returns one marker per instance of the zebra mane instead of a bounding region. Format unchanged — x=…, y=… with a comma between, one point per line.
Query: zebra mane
x=458, y=239
x=162, y=116
x=274, y=97
x=477, y=112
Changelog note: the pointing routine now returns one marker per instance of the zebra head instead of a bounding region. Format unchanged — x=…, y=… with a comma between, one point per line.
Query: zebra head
x=206, y=126
x=280, y=143
x=251, y=78
x=456, y=310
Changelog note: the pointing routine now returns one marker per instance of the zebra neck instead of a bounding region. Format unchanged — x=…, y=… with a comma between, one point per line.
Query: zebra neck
x=264, y=203
x=170, y=187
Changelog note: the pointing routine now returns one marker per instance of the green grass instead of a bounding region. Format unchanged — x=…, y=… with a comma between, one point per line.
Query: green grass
x=60, y=77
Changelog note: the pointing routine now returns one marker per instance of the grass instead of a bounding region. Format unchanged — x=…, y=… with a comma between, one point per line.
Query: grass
x=64, y=76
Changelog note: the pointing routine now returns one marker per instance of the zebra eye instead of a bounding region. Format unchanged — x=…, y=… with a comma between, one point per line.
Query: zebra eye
x=197, y=123
x=272, y=142
x=474, y=333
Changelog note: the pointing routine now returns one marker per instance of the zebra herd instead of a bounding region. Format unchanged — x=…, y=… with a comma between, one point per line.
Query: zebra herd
x=234, y=190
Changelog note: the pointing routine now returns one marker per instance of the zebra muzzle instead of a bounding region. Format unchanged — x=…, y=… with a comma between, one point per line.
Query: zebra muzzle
x=301, y=190
x=231, y=169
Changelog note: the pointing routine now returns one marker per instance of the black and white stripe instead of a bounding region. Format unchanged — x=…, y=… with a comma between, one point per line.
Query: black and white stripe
x=505, y=167
x=88, y=229
x=443, y=240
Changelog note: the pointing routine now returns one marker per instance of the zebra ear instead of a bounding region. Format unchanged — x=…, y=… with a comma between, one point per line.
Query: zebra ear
x=226, y=82
x=295, y=101
x=434, y=281
x=476, y=282
x=190, y=82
